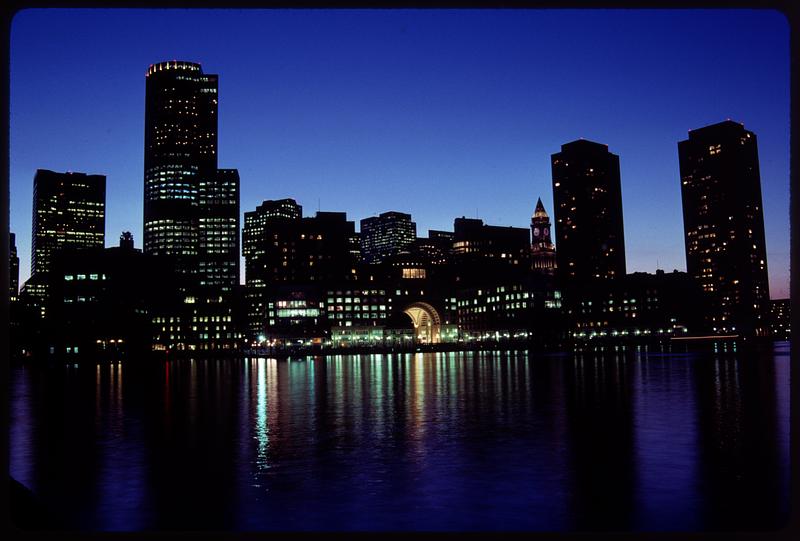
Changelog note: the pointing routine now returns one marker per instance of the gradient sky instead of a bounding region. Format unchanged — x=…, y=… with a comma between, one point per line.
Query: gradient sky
x=437, y=113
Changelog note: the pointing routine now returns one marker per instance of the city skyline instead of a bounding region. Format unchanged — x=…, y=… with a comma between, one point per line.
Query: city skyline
x=653, y=225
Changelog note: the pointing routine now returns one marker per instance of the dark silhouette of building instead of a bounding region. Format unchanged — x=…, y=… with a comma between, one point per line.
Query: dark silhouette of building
x=588, y=213
x=436, y=248
x=640, y=306
x=13, y=268
x=385, y=235
x=218, y=226
x=780, y=322
x=486, y=253
x=68, y=212
x=723, y=225
x=543, y=253
x=180, y=143
x=112, y=302
x=191, y=208
x=289, y=263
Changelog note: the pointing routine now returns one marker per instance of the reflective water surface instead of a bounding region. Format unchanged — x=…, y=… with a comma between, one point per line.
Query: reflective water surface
x=445, y=441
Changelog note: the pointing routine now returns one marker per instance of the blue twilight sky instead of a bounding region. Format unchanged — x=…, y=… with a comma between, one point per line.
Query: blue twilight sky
x=437, y=113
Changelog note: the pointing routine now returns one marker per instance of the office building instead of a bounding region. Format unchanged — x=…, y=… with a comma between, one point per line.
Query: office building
x=385, y=235
x=588, y=213
x=13, y=268
x=289, y=261
x=723, y=221
x=218, y=231
x=68, y=212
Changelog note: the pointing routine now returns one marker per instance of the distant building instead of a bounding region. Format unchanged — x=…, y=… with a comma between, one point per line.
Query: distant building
x=385, y=235
x=13, y=268
x=588, y=213
x=723, y=221
x=474, y=240
x=779, y=320
x=436, y=249
x=543, y=253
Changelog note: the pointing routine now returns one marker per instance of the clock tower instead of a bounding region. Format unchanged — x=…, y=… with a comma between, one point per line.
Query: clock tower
x=542, y=250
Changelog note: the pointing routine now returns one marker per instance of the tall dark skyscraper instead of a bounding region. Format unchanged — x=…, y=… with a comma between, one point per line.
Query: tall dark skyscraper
x=385, y=235
x=13, y=267
x=218, y=230
x=191, y=208
x=69, y=211
x=180, y=158
x=723, y=222
x=588, y=212
x=543, y=253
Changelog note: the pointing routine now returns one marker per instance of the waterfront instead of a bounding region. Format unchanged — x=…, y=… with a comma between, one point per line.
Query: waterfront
x=431, y=441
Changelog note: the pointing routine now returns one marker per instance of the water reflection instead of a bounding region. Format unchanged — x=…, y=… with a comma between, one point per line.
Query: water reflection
x=488, y=440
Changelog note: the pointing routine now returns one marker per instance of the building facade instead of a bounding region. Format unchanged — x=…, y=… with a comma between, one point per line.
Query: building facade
x=191, y=208
x=543, y=253
x=13, y=268
x=723, y=223
x=385, y=235
x=588, y=213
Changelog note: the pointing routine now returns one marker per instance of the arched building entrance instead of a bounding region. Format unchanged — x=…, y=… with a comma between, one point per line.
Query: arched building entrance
x=427, y=323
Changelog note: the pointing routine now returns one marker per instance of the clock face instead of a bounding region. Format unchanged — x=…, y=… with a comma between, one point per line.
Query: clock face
x=535, y=231
x=546, y=231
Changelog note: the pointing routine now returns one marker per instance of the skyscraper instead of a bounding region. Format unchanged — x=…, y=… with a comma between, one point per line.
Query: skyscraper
x=723, y=224
x=69, y=211
x=385, y=235
x=218, y=231
x=588, y=212
x=191, y=208
x=180, y=155
x=13, y=268
x=543, y=252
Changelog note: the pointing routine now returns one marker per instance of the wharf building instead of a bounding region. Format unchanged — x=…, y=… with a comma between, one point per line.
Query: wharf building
x=640, y=306
x=723, y=222
x=385, y=235
x=68, y=212
x=191, y=208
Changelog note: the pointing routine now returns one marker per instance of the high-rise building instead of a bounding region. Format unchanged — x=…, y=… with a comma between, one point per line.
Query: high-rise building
x=69, y=211
x=385, y=235
x=13, y=268
x=289, y=261
x=218, y=231
x=543, y=253
x=588, y=213
x=180, y=155
x=191, y=208
x=723, y=222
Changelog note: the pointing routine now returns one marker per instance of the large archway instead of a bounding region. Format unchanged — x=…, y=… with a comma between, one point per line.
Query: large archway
x=427, y=323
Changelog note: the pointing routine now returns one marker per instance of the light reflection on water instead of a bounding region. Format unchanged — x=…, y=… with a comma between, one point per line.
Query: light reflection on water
x=460, y=441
